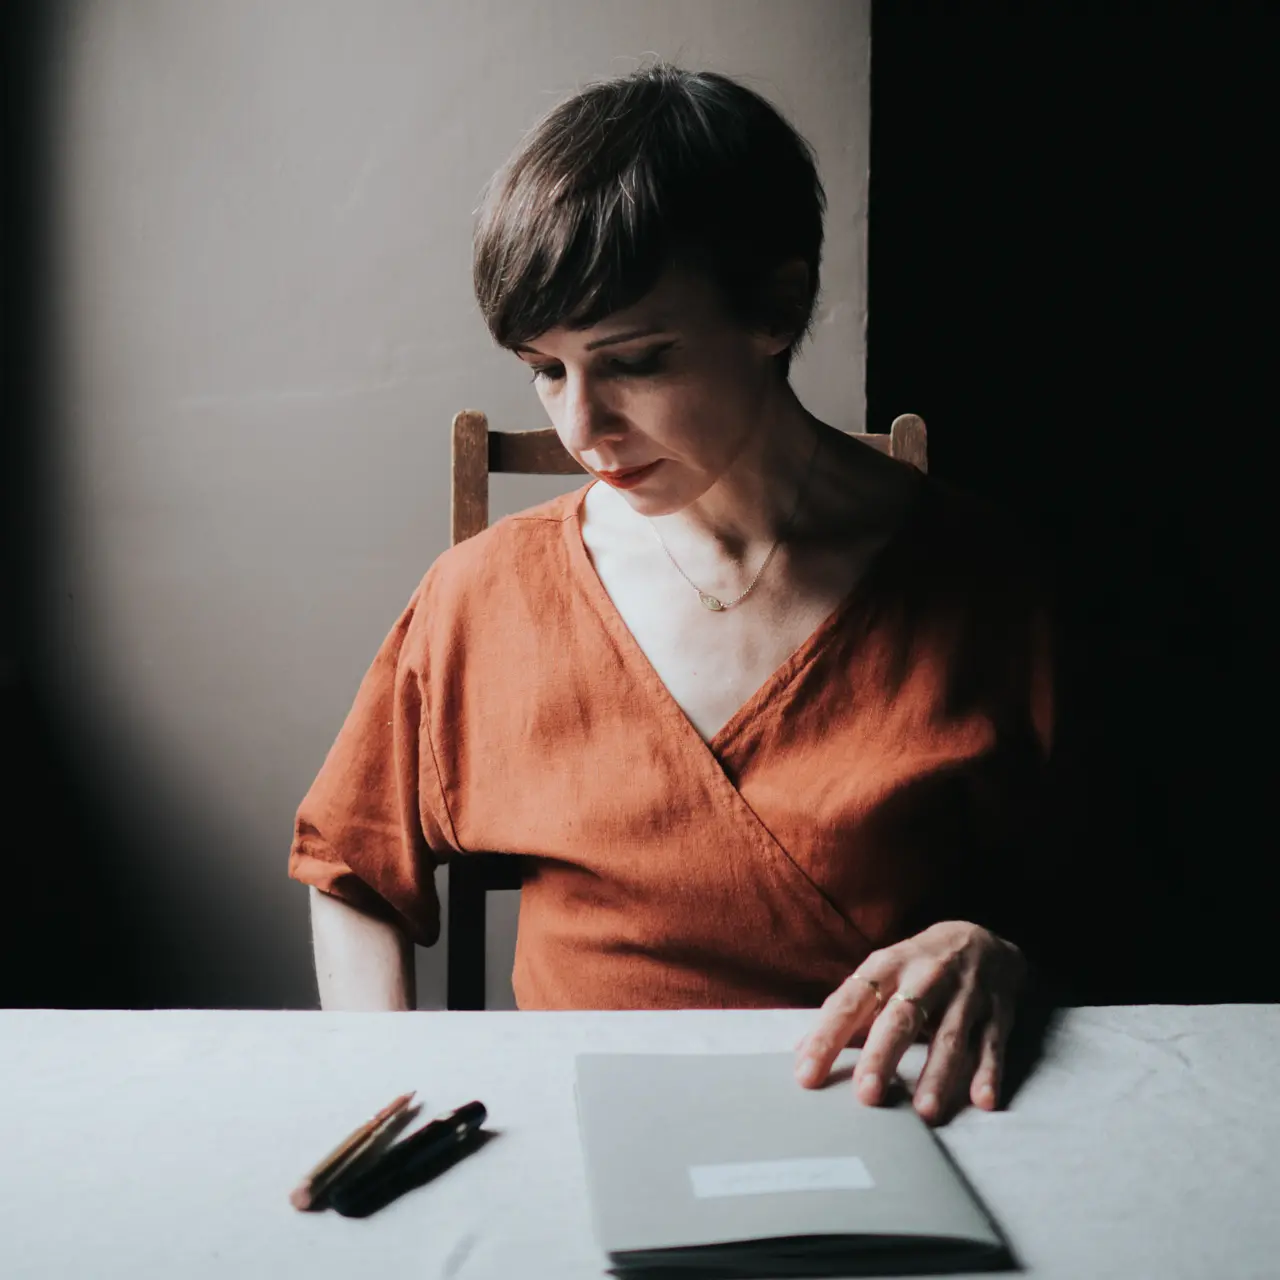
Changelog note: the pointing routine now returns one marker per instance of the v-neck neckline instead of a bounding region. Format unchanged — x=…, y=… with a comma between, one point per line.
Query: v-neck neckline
x=782, y=675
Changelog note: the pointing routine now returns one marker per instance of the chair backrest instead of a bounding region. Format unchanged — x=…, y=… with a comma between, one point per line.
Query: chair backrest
x=477, y=453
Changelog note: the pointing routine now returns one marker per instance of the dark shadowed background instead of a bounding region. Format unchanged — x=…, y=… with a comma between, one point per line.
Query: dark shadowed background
x=1070, y=217
x=1068, y=229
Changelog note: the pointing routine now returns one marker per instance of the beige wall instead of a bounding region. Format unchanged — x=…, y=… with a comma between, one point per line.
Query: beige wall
x=265, y=212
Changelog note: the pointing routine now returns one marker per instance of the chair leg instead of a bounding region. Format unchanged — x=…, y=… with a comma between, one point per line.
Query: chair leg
x=464, y=978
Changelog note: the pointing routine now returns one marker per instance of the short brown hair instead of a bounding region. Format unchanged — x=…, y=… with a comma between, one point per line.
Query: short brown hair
x=632, y=174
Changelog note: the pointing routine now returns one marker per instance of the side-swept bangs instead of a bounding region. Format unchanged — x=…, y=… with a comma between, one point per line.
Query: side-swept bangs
x=631, y=175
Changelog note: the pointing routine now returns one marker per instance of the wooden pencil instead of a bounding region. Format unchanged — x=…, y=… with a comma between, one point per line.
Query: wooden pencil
x=312, y=1188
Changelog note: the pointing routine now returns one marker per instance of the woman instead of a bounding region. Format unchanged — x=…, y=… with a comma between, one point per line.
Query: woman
x=765, y=711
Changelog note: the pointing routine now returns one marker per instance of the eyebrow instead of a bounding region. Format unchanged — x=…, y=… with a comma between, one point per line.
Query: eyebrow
x=603, y=342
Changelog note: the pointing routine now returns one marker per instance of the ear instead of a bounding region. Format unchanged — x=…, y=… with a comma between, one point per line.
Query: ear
x=789, y=289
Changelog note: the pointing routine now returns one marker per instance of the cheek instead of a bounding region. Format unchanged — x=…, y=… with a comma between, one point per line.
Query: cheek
x=683, y=417
x=711, y=414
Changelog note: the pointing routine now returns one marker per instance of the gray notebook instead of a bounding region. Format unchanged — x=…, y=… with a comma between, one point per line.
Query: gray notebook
x=722, y=1165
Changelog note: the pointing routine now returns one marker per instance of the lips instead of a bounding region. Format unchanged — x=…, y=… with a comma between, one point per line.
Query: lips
x=621, y=473
x=627, y=479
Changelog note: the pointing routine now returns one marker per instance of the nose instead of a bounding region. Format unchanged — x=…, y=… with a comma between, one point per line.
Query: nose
x=585, y=417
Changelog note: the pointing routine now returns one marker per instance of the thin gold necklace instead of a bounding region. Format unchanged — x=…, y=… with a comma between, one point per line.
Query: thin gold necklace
x=710, y=601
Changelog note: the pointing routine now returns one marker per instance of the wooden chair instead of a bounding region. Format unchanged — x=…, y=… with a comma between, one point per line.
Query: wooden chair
x=477, y=453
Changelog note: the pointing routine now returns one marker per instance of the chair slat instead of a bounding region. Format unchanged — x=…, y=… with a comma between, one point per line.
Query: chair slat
x=469, y=505
x=531, y=453
x=471, y=876
x=908, y=441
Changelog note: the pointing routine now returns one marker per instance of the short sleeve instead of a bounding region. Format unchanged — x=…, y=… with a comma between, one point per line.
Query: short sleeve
x=369, y=830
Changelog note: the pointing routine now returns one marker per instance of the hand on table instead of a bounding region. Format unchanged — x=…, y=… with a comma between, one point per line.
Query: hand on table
x=965, y=977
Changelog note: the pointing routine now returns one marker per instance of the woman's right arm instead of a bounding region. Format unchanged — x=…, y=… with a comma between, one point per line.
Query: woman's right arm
x=362, y=964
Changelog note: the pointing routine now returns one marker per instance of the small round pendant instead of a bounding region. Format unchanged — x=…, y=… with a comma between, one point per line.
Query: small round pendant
x=710, y=601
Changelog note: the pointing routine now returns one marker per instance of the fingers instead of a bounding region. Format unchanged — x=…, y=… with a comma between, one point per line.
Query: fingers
x=931, y=981
x=845, y=1013
x=966, y=977
x=953, y=1052
x=890, y=1037
x=987, y=1079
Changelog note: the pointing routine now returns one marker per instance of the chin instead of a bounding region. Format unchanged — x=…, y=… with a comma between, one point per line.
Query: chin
x=648, y=504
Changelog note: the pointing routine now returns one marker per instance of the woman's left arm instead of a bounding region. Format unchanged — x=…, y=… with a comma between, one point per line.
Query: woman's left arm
x=958, y=980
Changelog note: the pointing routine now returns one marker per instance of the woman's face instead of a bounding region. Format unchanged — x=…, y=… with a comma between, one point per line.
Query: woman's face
x=671, y=381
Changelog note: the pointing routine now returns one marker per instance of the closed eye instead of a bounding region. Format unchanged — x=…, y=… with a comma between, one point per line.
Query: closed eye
x=643, y=366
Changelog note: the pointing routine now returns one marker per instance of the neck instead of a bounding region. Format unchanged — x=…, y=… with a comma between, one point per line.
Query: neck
x=737, y=521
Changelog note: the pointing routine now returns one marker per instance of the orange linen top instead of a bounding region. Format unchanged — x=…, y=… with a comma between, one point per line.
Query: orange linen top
x=880, y=780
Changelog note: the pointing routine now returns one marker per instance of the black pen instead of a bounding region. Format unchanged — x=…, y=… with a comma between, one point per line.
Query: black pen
x=406, y=1162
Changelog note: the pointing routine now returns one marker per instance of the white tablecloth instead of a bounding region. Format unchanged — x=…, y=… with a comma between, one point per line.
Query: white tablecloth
x=147, y=1144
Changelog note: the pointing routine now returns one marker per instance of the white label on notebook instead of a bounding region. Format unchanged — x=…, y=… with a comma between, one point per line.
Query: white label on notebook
x=765, y=1177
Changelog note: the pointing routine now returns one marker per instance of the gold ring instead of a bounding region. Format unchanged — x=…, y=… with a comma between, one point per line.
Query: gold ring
x=919, y=1004
x=874, y=985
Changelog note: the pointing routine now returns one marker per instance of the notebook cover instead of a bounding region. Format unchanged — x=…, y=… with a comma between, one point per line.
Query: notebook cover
x=725, y=1158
